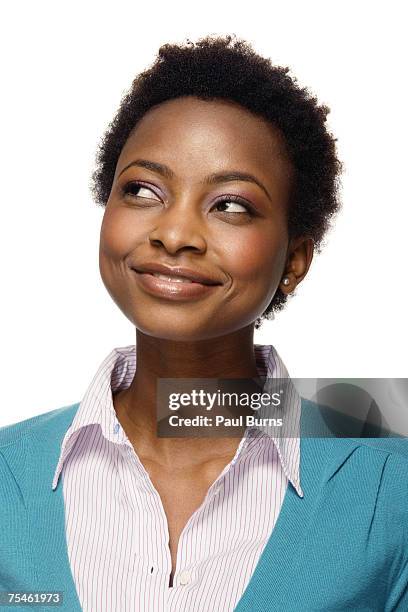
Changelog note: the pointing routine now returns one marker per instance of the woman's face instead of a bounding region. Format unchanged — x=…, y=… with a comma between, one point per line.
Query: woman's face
x=176, y=200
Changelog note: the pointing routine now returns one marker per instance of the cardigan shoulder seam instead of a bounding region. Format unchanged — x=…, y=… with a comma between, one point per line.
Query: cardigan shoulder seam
x=387, y=451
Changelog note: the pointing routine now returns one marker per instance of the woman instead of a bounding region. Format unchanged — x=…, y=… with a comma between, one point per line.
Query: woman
x=219, y=179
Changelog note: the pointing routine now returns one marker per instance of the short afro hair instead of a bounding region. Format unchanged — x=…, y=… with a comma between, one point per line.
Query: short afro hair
x=228, y=68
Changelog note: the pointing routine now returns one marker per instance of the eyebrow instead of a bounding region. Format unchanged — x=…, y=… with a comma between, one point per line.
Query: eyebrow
x=212, y=179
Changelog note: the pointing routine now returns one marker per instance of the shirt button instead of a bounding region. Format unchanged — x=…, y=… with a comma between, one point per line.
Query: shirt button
x=184, y=577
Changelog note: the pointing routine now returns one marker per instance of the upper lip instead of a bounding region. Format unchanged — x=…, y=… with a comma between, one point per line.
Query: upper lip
x=182, y=272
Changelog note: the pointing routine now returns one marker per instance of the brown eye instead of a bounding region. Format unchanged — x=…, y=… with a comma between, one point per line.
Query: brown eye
x=139, y=190
x=235, y=205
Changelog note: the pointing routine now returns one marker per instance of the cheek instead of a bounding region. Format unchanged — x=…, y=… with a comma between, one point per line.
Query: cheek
x=117, y=239
x=118, y=234
x=257, y=258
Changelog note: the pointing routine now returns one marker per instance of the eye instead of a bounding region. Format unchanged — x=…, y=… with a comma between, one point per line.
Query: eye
x=235, y=205
x=139, y=190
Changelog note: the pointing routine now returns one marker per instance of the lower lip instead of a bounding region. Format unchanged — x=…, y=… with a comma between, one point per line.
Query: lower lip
x=172, y=290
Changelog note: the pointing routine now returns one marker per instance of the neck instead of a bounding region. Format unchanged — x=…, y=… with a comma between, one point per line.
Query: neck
x=230, y=356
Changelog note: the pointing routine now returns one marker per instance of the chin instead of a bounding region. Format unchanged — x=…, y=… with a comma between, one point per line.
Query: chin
x=169, y=330
x=194, y=332
x=182, y=329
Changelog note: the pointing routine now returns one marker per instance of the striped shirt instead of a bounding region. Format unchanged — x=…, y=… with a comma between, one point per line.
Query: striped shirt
x=116, y=528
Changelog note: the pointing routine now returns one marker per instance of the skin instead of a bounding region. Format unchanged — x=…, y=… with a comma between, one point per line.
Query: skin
x=179, y=222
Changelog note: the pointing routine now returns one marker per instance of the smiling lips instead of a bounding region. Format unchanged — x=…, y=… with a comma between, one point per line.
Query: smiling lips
x=176, y=273
x=174, y=283
x=173, y=279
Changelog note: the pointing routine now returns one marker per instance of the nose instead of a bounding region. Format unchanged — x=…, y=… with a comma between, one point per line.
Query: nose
x=179, y=227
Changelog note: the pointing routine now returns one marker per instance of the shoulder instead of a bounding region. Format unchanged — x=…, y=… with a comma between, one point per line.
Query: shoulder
x=374, y=468
x=28, y=451
x=51, y=422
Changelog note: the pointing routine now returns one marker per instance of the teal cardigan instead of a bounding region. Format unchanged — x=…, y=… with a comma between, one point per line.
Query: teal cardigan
x=342, y=547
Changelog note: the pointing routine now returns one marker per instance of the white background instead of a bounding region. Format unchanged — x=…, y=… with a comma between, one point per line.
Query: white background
x=65, y=68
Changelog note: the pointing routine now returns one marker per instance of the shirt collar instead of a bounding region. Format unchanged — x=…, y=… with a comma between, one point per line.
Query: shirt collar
x=116, y=373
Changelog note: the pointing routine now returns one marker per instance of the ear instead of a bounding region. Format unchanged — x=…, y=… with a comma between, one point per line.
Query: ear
x=299, y=258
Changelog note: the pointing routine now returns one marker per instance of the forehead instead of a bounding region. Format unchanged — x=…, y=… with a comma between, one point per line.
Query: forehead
x=201, y=136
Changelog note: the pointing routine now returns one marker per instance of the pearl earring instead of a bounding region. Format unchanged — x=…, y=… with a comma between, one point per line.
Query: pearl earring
x=285, y=281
